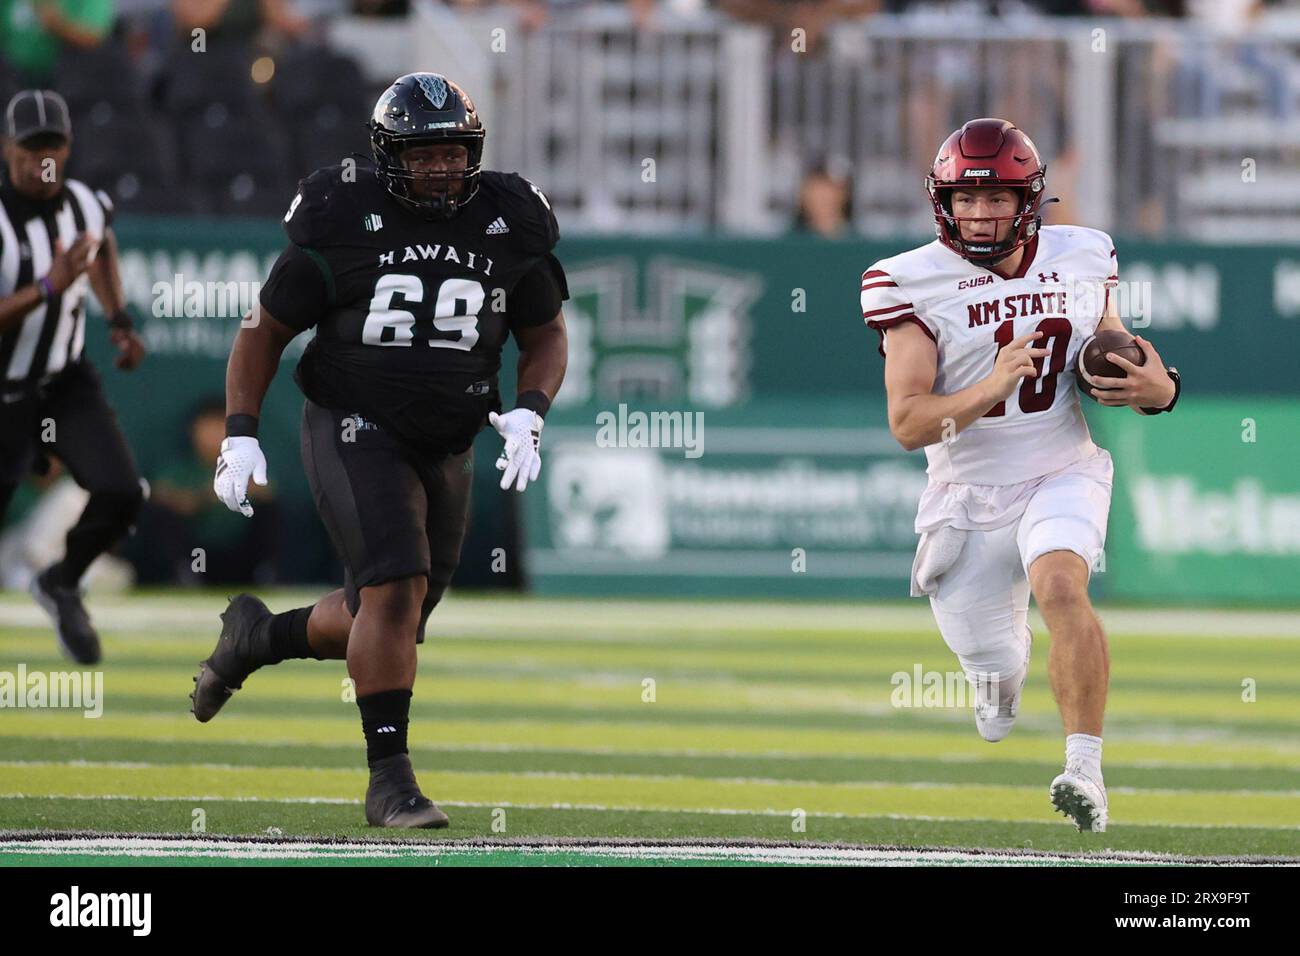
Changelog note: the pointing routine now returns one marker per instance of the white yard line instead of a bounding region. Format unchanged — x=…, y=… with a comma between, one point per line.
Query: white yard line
x=615, y=619
x=650, y=778
x=1167, y=737
x=783, y=814
x=156, y=847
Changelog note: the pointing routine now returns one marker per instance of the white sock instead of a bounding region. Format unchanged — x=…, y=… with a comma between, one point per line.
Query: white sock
x=1084, y=750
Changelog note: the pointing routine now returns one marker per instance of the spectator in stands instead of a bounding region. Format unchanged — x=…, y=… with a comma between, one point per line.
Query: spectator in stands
x=239, y=19
x=533, y=14
x=381, y=8
x=34, y=32
x=1227, y=44
x=182, y=515
x=1091, y=8
x=811, y=16
x=824, y=204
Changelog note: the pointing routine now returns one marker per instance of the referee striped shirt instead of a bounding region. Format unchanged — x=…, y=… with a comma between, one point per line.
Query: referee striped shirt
x=51, y=336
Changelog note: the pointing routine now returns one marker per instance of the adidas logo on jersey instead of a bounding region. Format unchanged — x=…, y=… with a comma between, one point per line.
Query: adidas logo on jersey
x=498, y=227
x=373, y=222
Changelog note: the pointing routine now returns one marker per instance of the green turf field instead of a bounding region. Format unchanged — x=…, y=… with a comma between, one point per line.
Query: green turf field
x=531, y=728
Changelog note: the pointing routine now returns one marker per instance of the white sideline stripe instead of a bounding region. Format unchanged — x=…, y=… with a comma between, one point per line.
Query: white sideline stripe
x=706, y=811
x=843, y=856
x=646, y=777
x=605, y=617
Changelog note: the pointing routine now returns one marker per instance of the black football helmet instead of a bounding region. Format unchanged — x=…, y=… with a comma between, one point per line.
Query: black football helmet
x=424, y=109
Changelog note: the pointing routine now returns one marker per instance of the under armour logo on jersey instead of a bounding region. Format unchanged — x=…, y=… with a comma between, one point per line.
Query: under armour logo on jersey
x=498, y=227
x=1042, y=277
x=373, y=222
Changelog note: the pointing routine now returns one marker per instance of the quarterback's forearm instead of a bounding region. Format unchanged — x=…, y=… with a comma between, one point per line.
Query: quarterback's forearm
x=543, y=358
x=920, y=420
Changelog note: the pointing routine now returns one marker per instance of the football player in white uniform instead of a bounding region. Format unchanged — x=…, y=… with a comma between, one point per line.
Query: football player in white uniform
x=980, y=330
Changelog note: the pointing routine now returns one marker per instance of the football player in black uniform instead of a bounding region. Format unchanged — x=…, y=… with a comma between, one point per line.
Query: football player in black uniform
x=412, y=271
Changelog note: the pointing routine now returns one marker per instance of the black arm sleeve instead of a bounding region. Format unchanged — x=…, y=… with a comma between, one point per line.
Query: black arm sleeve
x=297, y=292
x=537, y=296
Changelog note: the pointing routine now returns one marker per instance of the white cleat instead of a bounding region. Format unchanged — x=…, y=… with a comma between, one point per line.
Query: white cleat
x=994, y=721
x=1081, y=798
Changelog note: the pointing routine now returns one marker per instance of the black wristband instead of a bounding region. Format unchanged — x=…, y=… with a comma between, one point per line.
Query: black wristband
x=122, y=319
x=534, y=400
x=1178, y=390
x=238, y=426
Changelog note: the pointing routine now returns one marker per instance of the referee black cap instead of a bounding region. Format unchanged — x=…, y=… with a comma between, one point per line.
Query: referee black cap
x=36, y=112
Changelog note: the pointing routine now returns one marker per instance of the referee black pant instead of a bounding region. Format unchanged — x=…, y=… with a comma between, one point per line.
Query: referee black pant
x=70, y=419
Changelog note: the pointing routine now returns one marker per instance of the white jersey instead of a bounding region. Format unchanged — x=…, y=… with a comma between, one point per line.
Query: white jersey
x=970, y=312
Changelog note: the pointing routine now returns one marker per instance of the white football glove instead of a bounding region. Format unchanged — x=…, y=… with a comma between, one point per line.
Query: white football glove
x=240, y=458
x=521, y=459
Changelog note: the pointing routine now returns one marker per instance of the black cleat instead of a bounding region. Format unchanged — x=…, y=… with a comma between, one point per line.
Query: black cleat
x=76, y=634
x=394, y=798
x=240, y=650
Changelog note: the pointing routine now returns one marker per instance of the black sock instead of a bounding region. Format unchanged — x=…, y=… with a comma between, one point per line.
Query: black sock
x=384, y=717
x=288, y=636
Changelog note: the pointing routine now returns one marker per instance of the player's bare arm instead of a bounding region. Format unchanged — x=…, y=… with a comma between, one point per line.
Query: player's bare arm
x=918, y=417
x=254, y=358
x=1146, y=386
x=543, y=357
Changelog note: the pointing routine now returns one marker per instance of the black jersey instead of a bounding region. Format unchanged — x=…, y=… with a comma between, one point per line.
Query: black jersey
x=411, y=314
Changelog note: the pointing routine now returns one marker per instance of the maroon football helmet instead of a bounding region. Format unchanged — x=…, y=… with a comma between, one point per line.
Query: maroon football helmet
x=987, y=152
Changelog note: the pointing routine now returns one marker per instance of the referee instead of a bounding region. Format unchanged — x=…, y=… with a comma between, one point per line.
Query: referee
x=55, y=241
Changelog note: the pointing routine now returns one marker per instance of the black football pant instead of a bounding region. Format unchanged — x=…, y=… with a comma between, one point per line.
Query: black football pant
x=391, y=513
x=70, y=419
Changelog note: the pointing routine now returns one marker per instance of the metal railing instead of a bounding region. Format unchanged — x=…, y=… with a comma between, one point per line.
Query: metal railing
x=1148, y=127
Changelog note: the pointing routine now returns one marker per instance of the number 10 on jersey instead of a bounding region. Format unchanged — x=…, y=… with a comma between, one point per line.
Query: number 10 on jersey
x=1036, y=394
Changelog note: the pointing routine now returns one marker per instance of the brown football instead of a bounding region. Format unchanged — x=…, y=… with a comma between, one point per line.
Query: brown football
x=1093, y=361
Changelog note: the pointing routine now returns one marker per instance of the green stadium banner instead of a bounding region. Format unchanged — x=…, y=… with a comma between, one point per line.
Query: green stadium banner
x=1206, y=505
x=781, y=498
x=763, y=338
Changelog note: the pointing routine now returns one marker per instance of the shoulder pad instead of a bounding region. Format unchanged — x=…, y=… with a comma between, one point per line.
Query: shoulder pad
x=318, y=214
x=526, y=210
